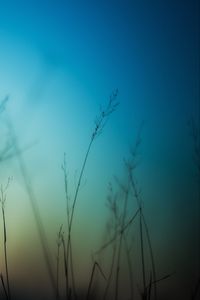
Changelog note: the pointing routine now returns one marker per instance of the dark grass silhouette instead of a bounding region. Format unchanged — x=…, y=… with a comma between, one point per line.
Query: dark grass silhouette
x=129, y=191
x=119, y=231
x=100, y=123
x=3, y=198
x=34, y=205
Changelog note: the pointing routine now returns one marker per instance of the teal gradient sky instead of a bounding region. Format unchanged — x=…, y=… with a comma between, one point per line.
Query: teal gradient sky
x=59, y=62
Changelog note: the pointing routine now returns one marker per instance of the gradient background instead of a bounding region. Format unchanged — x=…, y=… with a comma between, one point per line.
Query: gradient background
x=59, y=61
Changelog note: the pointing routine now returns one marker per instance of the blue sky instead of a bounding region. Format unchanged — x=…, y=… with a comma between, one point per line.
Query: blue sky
x=60, y=60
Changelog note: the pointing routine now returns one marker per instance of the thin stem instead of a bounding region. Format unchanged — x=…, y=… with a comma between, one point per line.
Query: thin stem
x=120, y=243
x=114, y=223
x=66, y=268
x=59, y=242
x=5, y=252
x=69, y=246
x=90, y=282
x=119, y=232
x=111, y=272
x=72, y=272
x=64, y=168
x=35, y=208
x=57, y=272
x=69, y=250
x=79, y=183
x=148, y=289
x=151, y=255
x=4, y=287
x=95, y=265
x=142, y=255
x=129, y=263
x=99, y=125
x=143, y=220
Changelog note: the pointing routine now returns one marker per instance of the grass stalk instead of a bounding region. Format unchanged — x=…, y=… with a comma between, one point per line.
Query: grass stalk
x=130, y=269
x=99, y=125
x=5, y=252
x=112, y=226
x=2, y=201
x=119, y=232
x=131, y=165
x=148, y=289
x=95, y=265
x=59, y=242
x=143, y=221
x=126, y=190
x=152, y=256
x=111, y=272
x=34, y=206
x=69, y=258
x=65, y=267
x=4, y=287
x=70, y=222
x=142, y=254
x=72, y=272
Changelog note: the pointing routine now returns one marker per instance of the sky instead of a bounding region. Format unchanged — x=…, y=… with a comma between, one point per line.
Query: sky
x=59, y=63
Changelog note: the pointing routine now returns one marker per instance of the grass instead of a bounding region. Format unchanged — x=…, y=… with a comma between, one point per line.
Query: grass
x=3, y=198
x=123, y=227
x=129, y=190
x=59, y=243
x=99, y=126
x=34, y=205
